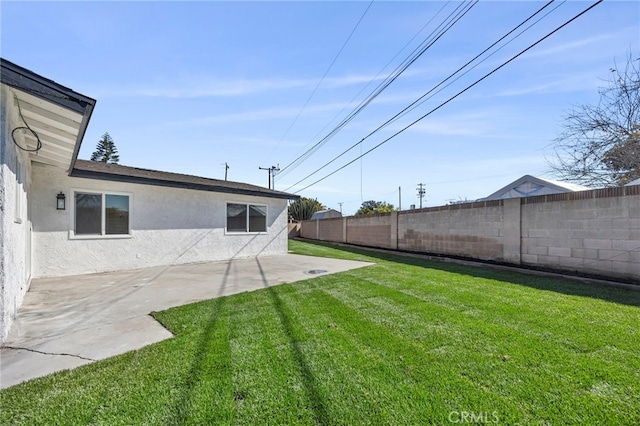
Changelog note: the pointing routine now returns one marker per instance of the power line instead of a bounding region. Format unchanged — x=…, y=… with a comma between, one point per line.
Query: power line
x=413, y=104
x=379, y=72
x=322, y=78
x=456, y=95
x=422, y=99
x=461, y=10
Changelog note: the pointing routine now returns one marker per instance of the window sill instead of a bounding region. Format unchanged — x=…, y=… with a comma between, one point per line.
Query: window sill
x=72, y=236
x=244, y=233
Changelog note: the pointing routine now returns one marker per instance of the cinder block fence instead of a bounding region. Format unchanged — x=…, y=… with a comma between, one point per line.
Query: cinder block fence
x=590, y=232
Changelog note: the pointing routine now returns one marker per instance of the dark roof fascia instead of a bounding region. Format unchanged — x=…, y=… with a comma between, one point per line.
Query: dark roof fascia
x=90, y=174
x=83, y=129
x=23, y=79
x=27, y=81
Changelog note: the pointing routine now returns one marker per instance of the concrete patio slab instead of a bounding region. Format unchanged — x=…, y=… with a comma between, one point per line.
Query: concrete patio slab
x=69, y=321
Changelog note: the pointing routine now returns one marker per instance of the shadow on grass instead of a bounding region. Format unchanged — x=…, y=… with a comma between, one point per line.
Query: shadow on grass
x=180, y=411
x=569, y=286
x=315, y=399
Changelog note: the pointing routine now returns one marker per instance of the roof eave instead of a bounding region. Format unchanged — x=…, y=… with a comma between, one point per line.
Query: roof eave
x=29, y=82
x=83, y=129
x=90, y=174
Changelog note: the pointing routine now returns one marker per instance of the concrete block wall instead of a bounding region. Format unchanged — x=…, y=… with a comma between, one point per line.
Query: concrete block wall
x=595, y=232
x=370, y=230
x=331, y=230
x=590, y=232
x=472, y=230
x=309, y=229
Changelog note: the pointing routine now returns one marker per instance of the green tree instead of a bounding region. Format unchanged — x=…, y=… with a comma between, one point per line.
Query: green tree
x=600, y=144
x=303, y=208
x=370, y=207
x=106, y=151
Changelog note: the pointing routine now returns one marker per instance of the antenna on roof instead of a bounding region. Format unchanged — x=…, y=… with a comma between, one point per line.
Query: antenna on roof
x=226, y=168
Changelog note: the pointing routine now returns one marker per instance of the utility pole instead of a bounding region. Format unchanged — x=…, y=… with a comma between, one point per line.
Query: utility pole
x=399, y=198
x=421, y=191
x=272, y=175
x=226, y=168
x=268, y=169
x=274, y=171
x=340, y=204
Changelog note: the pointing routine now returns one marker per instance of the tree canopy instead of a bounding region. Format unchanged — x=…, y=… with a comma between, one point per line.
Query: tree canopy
x=106, y=151
x=371, y=206
x=600, y=144
x=303, y=208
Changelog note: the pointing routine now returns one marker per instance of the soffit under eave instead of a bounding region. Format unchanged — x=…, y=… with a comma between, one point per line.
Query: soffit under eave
x=56, y=126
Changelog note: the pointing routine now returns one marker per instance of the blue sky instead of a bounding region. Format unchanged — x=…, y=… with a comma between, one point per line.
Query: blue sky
x=188, y=86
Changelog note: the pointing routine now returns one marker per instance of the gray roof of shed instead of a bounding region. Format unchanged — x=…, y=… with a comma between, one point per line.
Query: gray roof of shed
x=326, y=214
x=117, y=173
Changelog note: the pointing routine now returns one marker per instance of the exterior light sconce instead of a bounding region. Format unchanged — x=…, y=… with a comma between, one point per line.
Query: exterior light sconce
x=60, y=198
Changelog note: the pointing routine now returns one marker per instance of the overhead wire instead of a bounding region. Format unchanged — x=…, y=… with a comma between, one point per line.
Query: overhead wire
x=453, y=18
x=283, y=172
x=422, y=99
x=323, y=77
x=456, y=95
x=379, y=72
x=433, y=90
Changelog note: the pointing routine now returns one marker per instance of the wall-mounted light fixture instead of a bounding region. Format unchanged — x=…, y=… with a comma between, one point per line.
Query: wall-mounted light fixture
x=60, y=198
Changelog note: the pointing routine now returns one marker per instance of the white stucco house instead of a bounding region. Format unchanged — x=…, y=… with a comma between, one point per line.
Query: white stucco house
x=528, y=186
x=60, y=215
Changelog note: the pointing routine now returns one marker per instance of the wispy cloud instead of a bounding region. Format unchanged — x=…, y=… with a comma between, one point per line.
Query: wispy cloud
x=214, y=86
x=473, y=123
x=569, y=46
x=254, y=115
x=555, y=84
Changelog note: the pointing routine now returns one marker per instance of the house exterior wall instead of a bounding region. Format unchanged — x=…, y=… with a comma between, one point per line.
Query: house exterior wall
x=591, y=232
x=14, y=220
x=168, y=226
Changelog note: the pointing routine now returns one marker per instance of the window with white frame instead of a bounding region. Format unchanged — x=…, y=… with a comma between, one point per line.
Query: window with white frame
x=246, y=217
x=100, y=214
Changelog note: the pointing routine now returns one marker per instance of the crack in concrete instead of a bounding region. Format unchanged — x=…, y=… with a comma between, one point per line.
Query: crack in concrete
x=46, y=353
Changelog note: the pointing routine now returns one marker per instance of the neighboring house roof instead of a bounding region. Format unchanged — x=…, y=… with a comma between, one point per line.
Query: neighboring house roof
x=634, y=182
x=325, y=214
x=57, y=114
x=528, y=186
x=115, y=172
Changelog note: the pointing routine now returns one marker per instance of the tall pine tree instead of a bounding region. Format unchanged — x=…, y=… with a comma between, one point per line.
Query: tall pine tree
x=106, y=151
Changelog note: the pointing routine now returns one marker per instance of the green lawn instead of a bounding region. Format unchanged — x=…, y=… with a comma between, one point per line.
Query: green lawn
x=404, y=341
